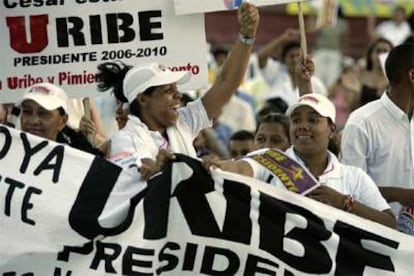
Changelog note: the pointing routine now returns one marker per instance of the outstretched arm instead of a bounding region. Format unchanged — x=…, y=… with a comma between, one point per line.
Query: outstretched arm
x=331, y=197
x=233, y=71
x=394, y=194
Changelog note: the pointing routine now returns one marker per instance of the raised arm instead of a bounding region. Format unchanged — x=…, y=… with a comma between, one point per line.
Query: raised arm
x=272, y=48
x=233, y=71
x=304, y=72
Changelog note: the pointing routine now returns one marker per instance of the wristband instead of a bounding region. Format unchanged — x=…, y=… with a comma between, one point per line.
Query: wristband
x=246, y=40
x=348, y=203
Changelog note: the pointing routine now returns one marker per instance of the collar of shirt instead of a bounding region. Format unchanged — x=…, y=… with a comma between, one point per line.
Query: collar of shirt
x=332, y=170
x=393, y=109
x=138, y=127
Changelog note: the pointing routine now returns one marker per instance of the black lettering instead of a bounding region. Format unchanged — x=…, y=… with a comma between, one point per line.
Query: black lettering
x=128, y=261
x=58, y=272
x=272, y=221
x=57, y=153
x=195, y=206
x=7, y=141
x=172, y=260
x=102, y=255
x=96, y=29
x=12, y=185
x=63, y=31
x=352, y=257
x=26, y=205
x=207, y=266
x=147, y=24
x=252, y=266
x=114, y=27
x=189, y=256
x=29, y=151
x=86, y=249
x=93, y=194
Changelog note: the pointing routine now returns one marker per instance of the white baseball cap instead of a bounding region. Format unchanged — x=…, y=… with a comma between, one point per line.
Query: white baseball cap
x=47, y=95
x=318, y=102
x=140, y=78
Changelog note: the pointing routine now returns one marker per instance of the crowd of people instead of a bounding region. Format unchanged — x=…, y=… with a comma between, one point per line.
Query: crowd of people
x=353, y=134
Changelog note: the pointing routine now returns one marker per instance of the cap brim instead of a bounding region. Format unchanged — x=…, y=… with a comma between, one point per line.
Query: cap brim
x=167, y=77
x=164, y=78
x=293, y=107
x=43, y=101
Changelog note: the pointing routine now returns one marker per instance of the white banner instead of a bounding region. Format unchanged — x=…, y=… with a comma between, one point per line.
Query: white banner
x=196, y=6
x=63, y=41
x=64, y=212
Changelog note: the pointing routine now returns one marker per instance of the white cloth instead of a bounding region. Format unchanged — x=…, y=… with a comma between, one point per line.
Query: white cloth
x=277, y=76
x=135, y=141
x=238, y=115
x=328, y=65
x=379, y=138
x=397, y=34
x=75, y=111
x=342, y=178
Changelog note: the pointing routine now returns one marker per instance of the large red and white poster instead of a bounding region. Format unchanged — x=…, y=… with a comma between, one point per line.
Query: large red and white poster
x=63, y=41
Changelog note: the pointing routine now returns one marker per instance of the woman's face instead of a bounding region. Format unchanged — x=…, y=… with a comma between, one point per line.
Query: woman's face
x=38, y=121
x=271, y=135
x=121, y=115
x=161, y=107
x=380, y=48
x=292, y=58
x=309, y=131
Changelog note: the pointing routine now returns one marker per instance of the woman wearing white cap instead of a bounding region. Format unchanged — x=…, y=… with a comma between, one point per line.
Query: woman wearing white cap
x=44, y=112
x=156, y=119
x=345, y=187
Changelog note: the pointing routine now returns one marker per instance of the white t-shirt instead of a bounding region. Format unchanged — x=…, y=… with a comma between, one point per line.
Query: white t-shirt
x=277, y=76
x=397, y=34
x=135, y=141
x=379, y=138
x=342, y=178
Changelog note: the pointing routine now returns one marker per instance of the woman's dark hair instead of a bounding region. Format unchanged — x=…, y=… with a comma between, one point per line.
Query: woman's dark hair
x=333, y=144
x=275, y=118
x=242, y=135
x=111, y=76
x=287, y=47
x=61, y=111
x=371, y=47
x=134, y=106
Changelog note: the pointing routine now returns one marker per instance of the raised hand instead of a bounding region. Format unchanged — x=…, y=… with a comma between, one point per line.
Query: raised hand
x=248, y=17
x=328, y=196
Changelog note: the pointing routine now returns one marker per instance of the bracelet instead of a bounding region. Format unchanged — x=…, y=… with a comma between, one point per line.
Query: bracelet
x=348, y=203
x=246, y=40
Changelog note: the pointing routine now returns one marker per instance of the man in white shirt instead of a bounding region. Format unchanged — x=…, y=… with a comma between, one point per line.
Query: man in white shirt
x=396, y=30
x=378, y=137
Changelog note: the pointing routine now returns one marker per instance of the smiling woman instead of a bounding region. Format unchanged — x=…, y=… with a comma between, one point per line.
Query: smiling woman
x=157, y=120
x=44, y=113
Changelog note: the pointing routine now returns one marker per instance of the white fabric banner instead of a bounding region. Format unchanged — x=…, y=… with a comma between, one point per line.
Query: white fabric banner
x=63, y=41
x=196, y=6
x=65, y=212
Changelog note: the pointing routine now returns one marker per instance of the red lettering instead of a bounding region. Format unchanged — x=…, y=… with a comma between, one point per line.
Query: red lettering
x=38, y=33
